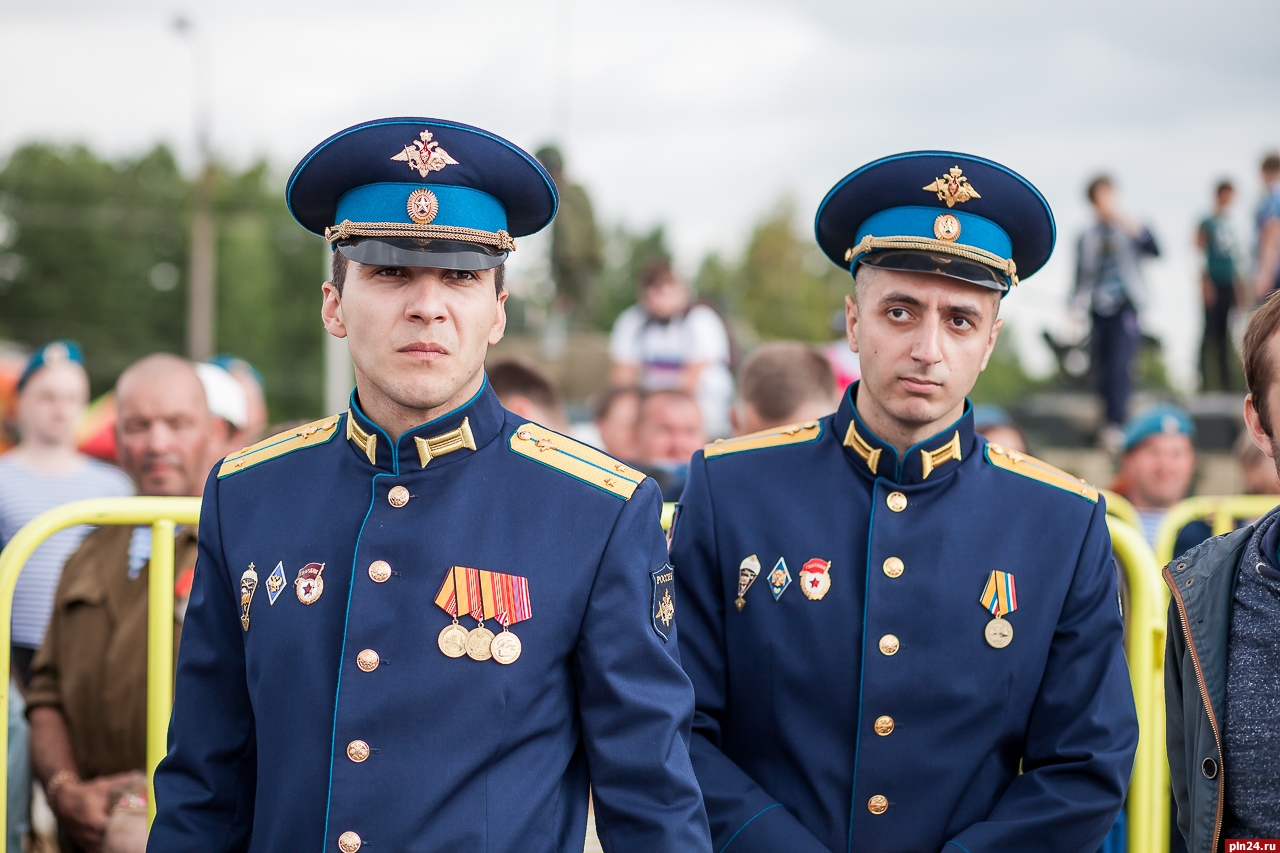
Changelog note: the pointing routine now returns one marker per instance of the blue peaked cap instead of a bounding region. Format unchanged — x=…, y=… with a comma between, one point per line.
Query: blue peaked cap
x=421, y=191
x=938, y=212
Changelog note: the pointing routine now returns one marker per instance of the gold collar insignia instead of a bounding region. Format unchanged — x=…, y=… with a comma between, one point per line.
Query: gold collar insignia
x=425, y=155
x=930, y=459
x=859, y=444
x=368, y=442
x=454, y=439
x=954, y=188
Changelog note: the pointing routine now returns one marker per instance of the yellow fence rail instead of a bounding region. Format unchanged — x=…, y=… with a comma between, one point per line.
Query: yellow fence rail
x=163, y=514
x=1144, y=635
x=1221, y=511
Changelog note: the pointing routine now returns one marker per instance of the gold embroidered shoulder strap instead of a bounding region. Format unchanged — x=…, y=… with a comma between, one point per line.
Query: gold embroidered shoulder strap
x=308, y=435
x=1029, y=466
x=576, y=459
x=801, y=433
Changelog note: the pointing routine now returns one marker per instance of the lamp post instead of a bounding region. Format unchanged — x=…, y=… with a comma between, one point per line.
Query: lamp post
x=201, y=304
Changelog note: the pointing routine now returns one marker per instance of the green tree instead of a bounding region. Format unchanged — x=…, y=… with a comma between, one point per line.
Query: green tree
x=97, y=251
x=783, y=286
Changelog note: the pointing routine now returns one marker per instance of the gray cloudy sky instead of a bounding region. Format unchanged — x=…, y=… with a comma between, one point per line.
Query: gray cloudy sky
x=702, y=114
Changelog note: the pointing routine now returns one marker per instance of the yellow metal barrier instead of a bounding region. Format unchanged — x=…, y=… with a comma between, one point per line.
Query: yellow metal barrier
x=163, y=514
x=1119, y=506
x=1148, y=806
x=1221, y=511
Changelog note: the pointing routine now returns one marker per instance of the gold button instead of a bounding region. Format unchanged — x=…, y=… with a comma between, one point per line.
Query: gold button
x=357, y=751
x=889, y=644
x=380, y=570
x=349, y=842
x=368, y=660
x=878, y=804
x=884, y=725
x=897, y=501
x=893, y=567
x=399, y=496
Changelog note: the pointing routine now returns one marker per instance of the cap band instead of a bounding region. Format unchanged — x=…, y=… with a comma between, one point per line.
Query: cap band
x=910, y=227
x=382, y=210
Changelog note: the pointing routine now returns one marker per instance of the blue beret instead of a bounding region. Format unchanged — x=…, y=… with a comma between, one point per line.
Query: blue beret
x=987, y=415
x=1158, y=420
x=938, y=212
x=53, y=352
x=421, y=191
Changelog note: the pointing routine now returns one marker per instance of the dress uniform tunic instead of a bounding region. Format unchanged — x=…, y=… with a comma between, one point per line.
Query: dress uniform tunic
x=338, y=725
x=876, y=717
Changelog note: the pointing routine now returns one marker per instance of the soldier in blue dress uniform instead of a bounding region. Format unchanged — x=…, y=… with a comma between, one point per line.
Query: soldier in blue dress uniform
x=423, y=624
x=903, y=637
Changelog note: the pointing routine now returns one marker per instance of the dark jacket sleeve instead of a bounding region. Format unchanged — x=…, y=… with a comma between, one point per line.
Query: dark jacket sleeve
x=1083, y=729
x=743, y=816
x=205, y=786
x=1175, y=733
x=635, y=700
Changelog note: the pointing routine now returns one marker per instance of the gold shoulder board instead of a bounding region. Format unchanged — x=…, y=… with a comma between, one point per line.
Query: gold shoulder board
x=1029, y=466
x=307, y=435
x=576, y=459
x=801, y=433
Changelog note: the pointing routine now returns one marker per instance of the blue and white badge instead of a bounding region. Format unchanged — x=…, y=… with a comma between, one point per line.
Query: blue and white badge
x=779, y=578
x=275, y=582
x=663, y=611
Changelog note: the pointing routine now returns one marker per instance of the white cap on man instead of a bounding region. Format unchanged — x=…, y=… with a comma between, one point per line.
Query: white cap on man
x=225, y=395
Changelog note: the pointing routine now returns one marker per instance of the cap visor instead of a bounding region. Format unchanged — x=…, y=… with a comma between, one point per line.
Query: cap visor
x=908, y=260
x=438, y=254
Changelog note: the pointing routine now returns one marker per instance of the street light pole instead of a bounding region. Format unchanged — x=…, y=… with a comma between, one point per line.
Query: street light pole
x=201, y=301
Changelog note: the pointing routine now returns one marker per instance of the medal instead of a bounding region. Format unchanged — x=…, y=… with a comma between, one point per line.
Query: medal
x=308, y=584
x=248, y=583
x=482, y=595
x=1000, y=597
x=815, y=578
x=505, y=647
x=748, y=571
x=479, y=643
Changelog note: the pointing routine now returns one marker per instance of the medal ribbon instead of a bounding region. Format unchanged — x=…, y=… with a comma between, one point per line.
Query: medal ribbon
x=1000, y=595
x=485, y=595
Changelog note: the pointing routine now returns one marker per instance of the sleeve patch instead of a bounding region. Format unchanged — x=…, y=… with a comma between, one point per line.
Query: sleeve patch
x=663, y=609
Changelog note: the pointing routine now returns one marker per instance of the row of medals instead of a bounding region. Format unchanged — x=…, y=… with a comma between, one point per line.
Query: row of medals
x=479, y=643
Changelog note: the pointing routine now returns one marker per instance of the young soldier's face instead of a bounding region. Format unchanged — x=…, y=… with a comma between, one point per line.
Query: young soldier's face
x=418, y=336
x=922, y=340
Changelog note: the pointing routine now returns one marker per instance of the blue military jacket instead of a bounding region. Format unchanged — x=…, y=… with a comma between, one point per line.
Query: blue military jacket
x=340, y=725
x=876, y=716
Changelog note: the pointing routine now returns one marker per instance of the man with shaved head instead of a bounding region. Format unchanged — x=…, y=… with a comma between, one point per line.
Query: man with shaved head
x=87, y=700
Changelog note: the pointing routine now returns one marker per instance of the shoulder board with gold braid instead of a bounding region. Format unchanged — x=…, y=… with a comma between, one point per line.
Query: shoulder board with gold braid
x=307, y=435
x=801, y=433
x=1029, y=466
x=576, y=459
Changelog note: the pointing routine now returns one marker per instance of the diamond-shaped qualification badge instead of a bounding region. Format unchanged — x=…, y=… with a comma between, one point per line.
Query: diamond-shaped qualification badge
x=779, y=578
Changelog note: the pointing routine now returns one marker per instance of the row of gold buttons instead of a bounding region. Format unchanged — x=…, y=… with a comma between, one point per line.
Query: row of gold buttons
x=889, y=645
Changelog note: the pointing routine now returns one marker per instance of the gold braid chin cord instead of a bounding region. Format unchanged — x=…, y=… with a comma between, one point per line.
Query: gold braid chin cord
x=346, y=229
x=970, y=253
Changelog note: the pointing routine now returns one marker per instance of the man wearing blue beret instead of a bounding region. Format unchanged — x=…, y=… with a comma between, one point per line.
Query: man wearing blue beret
x=425, y=624
x=903, y=637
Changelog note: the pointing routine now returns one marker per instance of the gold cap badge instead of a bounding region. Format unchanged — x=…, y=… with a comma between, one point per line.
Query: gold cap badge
x=425, y=155
x=422, y=206
x=953, y=189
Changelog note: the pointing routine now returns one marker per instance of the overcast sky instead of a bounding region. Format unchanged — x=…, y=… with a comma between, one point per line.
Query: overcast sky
x=702, y=114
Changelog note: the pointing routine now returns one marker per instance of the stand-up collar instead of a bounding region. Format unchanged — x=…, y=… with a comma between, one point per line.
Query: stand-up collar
x=926, y=462
x=447, y=439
